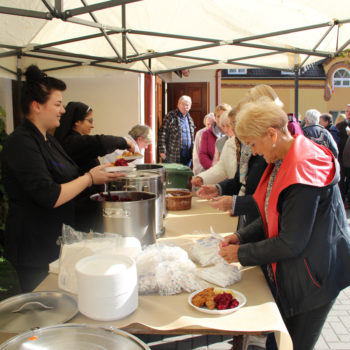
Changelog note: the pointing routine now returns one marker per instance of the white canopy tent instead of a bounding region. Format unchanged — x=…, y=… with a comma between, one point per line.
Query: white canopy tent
x=90, y=37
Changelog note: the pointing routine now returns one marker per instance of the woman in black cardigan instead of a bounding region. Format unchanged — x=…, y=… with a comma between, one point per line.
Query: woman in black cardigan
x=73, y=134
x=41, y=181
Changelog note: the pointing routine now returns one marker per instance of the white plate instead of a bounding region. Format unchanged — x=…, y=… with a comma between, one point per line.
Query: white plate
x=130, y=158
x=239, y=296
x=121, y=169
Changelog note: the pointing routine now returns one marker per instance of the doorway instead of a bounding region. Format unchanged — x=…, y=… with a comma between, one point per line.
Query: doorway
x=199, y=93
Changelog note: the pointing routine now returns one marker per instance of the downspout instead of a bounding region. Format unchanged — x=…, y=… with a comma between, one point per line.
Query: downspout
x=149, y=96
x=217, y=87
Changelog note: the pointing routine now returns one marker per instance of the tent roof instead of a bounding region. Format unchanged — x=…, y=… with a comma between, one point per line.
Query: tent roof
x=75, y=37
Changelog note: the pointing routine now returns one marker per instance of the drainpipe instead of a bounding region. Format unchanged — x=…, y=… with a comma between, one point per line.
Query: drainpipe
x=217, y=87
x=149, y=96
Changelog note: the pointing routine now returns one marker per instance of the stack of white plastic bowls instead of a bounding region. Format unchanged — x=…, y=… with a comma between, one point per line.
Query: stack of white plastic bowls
x=107, y=286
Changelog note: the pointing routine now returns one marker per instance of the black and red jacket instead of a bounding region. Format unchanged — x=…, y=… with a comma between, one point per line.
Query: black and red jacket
x=307, y=239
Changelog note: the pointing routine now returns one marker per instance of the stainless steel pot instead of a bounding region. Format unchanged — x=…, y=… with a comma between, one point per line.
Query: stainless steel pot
x=130, y=214
x=75, y=336
x=160, y=169
x=148, y=181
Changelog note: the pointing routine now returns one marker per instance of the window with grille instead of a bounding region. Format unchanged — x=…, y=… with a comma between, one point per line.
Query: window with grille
x=341, y=78
x=236, y=71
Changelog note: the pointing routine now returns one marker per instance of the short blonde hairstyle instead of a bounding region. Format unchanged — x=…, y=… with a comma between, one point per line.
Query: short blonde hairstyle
x=254, y=118
x=264, y=90
x=228, y=117
x=222, y=107
x=340, y=118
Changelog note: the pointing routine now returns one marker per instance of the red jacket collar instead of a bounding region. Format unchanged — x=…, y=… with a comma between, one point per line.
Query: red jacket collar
x=305, y=163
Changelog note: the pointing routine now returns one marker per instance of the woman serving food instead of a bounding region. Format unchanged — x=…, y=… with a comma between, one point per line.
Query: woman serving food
x=303, y=235
x=41, y=181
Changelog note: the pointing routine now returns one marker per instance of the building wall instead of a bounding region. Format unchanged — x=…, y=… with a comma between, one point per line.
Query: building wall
x=311, y=92
x=116, y=100
x=6, y=102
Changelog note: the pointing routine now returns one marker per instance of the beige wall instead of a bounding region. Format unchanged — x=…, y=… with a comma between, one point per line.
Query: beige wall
x=311, y=93
x=115, y=99
x=6, y=102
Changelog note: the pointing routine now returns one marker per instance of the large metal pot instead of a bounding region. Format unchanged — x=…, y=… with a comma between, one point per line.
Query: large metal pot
x=130, y=214
x=148, y=181
x=75, y=336
x=160, y=169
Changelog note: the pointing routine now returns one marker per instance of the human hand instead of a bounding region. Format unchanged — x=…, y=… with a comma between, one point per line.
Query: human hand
x=100, y=176
x=207, y=191
x=230, y=239
x=162, y=155
x=131, y=146
x=197, y=181
x=223, y=203
x=229, y=253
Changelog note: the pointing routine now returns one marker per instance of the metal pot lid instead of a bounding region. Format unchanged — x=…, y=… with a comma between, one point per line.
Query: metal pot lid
x=141, y=174
x=38, y=309
x=75, y=336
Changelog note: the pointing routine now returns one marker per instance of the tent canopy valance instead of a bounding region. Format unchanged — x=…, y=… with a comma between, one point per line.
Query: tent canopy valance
x=75, y=37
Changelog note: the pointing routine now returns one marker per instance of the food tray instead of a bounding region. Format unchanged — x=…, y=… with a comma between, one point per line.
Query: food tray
x=178, y=200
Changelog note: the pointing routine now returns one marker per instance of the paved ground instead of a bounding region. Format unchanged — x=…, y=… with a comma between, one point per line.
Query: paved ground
x=336, y=331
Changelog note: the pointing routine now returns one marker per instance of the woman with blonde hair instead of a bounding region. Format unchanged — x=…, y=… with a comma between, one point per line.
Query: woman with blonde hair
x=302, y=235
x=226, y=167
x=340, y=118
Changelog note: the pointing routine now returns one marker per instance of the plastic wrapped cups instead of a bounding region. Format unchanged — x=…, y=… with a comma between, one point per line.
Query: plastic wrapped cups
x=107, y=286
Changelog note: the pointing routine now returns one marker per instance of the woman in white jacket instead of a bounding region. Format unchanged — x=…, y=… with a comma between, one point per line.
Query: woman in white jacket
x=226, y=167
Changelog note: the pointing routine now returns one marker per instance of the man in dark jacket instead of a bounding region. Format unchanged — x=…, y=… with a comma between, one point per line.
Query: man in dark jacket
x=176, y=135
x=326, y=120
x=344, y=171
x=318, y=133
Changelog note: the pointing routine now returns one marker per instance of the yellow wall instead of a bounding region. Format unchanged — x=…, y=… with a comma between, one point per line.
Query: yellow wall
x=311, y=93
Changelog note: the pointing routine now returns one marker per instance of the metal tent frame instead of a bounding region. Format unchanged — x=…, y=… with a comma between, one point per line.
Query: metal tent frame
x=73, y=59
x=121, y=60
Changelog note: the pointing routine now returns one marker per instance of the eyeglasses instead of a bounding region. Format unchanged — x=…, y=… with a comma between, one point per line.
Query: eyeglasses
x=90, y=120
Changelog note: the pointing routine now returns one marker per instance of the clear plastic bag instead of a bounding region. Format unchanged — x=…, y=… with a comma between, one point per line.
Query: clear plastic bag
x=76, y=245
x=166, y=270
x=205, y=251
x=222, y=274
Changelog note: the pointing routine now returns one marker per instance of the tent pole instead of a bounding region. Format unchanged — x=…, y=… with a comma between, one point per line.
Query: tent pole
x=123, y=34
x=103, y=32
x=19, y=85
x=296, y=93
x=58, y=6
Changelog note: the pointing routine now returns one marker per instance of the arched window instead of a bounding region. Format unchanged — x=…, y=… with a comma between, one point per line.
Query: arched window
x=341, y=78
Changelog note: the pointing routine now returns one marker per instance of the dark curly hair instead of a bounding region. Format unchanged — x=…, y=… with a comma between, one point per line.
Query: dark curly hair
x=38, y=87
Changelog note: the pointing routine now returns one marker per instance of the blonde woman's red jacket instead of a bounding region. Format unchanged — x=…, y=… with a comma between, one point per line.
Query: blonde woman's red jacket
x=306, y=237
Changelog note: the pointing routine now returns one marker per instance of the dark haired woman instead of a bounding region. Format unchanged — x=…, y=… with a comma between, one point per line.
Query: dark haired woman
x=73, y=134
x=41, y=180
